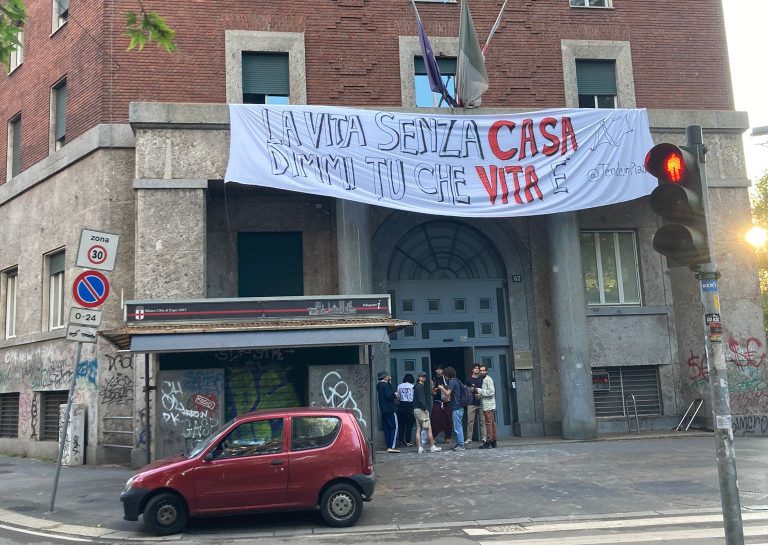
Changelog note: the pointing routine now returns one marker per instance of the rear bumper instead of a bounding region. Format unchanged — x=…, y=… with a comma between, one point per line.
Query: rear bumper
x=132, y=499
x=367, y=484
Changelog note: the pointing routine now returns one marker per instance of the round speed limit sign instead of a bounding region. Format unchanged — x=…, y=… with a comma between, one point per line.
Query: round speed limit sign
x=97, y=254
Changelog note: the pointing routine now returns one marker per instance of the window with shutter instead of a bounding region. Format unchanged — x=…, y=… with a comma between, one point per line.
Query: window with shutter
x=265, y=78
x=596, y=80
x=17, y=55
x=59, y=113
x=49, y=421
x=9, y=415
x=60, y=14
x=11, y=280
x=14, y=147
x=56, y=290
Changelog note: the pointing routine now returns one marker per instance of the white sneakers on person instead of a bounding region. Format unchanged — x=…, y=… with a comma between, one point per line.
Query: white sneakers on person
x=435, y=448
x=421, y=449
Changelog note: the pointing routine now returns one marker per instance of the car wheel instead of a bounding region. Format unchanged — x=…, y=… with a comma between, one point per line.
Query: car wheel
x=166, y=514
x=341, y=505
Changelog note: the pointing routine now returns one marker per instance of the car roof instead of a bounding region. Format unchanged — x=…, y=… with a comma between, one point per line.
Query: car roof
x=294, y=411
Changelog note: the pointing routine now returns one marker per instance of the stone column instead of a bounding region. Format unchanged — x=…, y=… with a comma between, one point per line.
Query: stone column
x=170, y=241
x=569, y=306
x=353, y=240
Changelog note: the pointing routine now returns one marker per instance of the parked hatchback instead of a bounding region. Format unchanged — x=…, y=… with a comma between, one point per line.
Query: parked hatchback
x=278, y=460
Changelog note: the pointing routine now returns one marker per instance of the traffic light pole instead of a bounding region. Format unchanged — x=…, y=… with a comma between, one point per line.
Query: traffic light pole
x=718, y=373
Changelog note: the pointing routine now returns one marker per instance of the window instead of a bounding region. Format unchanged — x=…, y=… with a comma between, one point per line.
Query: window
x=610, y=266
x=591, y=3
x=409, y=331
x=265, y=78
x=56, y=290
x=9, y=415
x=309, y=432
x=270, y=264
x=487, y=361
x=60, y=14
x=433, y=305
x=58, y=114
x=11, y=278
x=596, y=80
x=253, y=439
x=49, y=423
x=486, y=329
x=485, y=304
x=460, y=305
x=425, y=98
x=13, y=164
x=617, y=383
x=407, y=305
x=409, y=365
x=17, y=56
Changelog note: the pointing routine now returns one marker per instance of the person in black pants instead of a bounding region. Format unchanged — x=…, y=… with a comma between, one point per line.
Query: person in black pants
x=405, y=410
x=386, y=395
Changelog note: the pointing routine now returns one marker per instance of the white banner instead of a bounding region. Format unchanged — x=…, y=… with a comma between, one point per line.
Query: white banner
x=520, y=164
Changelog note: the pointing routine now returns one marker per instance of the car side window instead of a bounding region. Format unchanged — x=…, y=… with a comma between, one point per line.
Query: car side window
x=308, y=432
x=252, y=439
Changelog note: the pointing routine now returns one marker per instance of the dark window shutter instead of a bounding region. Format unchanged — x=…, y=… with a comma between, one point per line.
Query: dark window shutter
x=57, y=263
x=447, y=66
x=269, y=264
x=596, y=77
x=16, y=146
x=61, y=110
x=266, y=74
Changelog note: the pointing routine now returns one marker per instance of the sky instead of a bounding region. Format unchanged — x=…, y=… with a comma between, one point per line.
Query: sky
x=745, y=25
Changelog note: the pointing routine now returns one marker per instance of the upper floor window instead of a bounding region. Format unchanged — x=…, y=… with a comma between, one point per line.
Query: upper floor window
x=13, y=164
x=591, y=3
x=59, y=114
x=60, y=14
x=610, y=266
x=425, y=98
x=265, y=78
x=56, y=290
x=17, y=55
x=596, y=80
x=11, y=276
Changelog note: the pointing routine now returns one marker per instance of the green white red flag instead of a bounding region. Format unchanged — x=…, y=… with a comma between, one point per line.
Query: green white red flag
x=471, y=76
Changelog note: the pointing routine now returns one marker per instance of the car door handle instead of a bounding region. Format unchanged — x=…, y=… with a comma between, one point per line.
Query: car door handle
x=276, y=462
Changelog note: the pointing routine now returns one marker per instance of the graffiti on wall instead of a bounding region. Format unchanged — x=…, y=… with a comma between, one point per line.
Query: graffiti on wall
x=74, y=438
x=747, y=369
x=117, y=390
x=343, y=386
x=750, y=424
x=189, y=408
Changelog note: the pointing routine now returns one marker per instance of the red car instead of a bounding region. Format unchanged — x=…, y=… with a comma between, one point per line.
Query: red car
x=277, y=460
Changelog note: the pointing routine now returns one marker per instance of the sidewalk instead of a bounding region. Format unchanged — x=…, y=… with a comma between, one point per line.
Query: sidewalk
x=529, y=477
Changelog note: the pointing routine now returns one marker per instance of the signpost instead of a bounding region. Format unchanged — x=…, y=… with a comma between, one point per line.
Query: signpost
x=90, y=289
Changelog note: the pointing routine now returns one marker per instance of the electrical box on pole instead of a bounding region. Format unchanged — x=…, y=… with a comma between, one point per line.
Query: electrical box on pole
x=679, y=200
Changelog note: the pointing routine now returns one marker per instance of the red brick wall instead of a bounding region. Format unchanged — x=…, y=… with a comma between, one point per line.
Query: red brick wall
x=352, y=54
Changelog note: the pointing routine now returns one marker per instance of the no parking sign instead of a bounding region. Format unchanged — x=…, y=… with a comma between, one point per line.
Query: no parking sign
x=90, y=289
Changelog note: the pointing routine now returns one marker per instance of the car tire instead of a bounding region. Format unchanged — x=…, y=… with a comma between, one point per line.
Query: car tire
x=341, y=505
x=166, y=514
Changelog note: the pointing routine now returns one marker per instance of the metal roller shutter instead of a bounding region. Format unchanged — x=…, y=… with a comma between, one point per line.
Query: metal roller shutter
x=9, y=415
x=49, y=424
x=640, y=381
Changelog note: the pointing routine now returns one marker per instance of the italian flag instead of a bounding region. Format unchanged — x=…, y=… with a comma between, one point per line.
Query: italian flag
x=471, y=77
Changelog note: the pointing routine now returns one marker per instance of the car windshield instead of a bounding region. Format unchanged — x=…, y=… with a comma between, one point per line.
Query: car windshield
x=202, y=445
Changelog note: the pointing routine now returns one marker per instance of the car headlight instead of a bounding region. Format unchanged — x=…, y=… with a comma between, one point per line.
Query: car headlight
x=129, y=484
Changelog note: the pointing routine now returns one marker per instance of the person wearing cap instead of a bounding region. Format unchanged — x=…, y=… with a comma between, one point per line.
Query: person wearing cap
x=387, y=407
x=421, y=403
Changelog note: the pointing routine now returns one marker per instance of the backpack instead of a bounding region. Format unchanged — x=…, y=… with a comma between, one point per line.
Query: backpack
x=466, y=397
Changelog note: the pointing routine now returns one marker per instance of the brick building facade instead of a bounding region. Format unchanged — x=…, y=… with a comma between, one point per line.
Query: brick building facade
x=145, y=149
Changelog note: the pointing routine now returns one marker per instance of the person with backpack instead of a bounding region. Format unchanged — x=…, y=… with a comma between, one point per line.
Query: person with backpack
x=457, y=406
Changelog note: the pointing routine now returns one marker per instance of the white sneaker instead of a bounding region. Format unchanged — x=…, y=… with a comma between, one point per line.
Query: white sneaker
x=468, y=441
x=421, y=449
x=435, y=448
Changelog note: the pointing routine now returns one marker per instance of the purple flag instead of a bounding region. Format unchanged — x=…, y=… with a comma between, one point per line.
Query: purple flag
x=430, y=64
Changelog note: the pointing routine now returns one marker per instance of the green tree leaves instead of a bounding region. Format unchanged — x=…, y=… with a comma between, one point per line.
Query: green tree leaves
x=149, y=27
x=759, y=201
x=142, y=28
x=12, y=17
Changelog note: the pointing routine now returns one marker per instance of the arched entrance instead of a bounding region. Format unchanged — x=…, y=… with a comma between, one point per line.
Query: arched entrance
x=451, y=280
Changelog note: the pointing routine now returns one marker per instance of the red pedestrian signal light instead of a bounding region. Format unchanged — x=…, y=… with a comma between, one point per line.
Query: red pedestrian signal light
x=669, y=163
x=679, y=200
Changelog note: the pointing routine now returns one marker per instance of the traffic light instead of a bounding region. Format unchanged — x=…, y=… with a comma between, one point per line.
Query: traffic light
x=679, y=200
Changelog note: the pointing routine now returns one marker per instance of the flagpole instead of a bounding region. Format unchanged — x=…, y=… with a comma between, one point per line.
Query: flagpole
x=495, y=27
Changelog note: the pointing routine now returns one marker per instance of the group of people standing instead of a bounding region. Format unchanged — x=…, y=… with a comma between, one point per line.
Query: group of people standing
x=435, y=406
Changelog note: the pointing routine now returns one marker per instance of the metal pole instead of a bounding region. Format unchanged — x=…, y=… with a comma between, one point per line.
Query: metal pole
x=63, y=433
x=147, y=390
x=718, y=373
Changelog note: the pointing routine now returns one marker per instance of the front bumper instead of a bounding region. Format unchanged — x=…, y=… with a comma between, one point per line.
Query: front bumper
x=367, y=483
x=132, y=499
